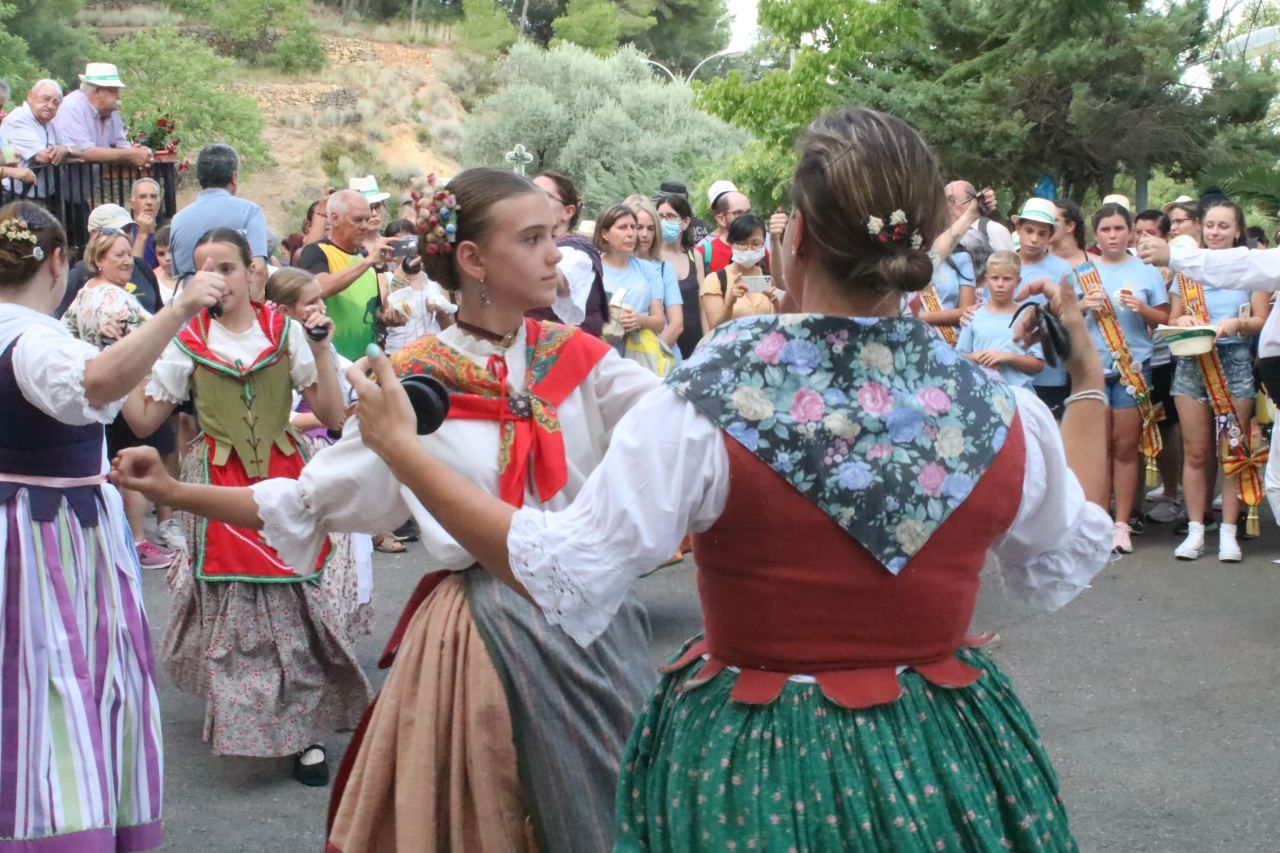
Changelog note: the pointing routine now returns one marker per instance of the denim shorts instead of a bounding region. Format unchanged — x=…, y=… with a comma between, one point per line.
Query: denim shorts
x=1237, y=367
x=1118, y=397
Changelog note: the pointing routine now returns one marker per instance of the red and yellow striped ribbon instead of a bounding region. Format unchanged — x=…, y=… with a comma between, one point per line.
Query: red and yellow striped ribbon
x=1130, y=371
x=1233, y=442
x=929, y=297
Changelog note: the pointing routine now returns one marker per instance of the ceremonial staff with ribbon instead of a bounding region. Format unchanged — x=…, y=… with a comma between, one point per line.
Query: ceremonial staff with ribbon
x=1232, y=436
x=1152, y=413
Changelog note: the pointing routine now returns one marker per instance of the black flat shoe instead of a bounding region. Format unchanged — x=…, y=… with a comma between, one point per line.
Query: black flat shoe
x=314, y=775
x=407, y=532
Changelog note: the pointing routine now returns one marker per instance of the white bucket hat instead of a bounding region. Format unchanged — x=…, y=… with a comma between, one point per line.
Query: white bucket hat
x=102, y=74
x=718, y=189
x=1038, y=210
x=368, y=187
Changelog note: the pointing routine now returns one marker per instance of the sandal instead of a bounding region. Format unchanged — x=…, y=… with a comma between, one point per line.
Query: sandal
x=387, y=543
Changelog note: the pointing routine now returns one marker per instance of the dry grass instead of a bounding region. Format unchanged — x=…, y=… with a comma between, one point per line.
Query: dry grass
x=128, y=16
x=424, y=33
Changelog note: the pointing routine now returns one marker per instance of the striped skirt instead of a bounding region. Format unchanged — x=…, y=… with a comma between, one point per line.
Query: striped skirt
x=80, y=746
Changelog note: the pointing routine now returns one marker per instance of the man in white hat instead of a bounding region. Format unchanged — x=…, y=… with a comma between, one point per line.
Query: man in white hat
x=727, y=204
x=1035, y=225
x=89, y=121
x=368, y=187
x=993, y=236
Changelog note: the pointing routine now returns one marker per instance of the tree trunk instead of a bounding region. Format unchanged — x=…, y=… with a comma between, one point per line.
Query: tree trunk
x=1141, y=175
x=524, y=17
x=413, y=14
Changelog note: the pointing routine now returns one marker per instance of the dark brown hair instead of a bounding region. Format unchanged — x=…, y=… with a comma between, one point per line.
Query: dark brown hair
x=858, y=164
x=1112, y=209
x=228, y=235
x=566, y=193
x=477, y=191
x=18, y=261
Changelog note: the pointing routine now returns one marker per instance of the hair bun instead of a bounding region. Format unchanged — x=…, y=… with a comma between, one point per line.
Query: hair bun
x=907, y=270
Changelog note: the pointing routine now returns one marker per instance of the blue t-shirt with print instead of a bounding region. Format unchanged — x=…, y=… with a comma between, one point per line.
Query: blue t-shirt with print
x=951, y=274
x=1053, y=268
x=1145, y=282
x=1222, y=305
x=990, y=331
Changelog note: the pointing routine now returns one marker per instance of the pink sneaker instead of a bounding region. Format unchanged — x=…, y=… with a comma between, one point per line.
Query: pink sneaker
x=152, y=556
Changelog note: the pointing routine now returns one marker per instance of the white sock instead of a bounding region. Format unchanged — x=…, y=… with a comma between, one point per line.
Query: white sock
x=1227, y=532
x=1196, y=529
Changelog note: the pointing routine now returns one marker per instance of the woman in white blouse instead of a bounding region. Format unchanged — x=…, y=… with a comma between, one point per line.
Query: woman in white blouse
x=83, y=768
x=494, y=731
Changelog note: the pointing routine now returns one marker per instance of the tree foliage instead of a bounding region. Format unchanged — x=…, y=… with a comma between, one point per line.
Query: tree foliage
x=607, y=122
x=485, y=28
x=52, y=38
x=176, y=76
x=592, y=24
x=685, y=33
x=1007, y=93
x=252, y=30
x=17, y=68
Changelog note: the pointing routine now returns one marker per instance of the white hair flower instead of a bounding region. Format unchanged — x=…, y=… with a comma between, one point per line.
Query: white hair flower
x=897, y=218
x=875, y=225
x=916, y=241
x=37, y=253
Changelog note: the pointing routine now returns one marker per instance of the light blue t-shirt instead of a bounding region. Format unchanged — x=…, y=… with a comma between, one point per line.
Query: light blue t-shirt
x=950, y=275
x=641, y=280
x=669, y=289
x=1222, y=305
x=1053, y=268
x=1145, y=282
x=990, y=331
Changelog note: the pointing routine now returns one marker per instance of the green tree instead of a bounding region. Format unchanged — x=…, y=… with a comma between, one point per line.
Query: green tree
x=1007, y=93
x=685, y=33
x=592, y=24
x=17, y=68
x=250, y=30
x=485, y=29
x=176, y=76
x=52, y=38
x=606, y=121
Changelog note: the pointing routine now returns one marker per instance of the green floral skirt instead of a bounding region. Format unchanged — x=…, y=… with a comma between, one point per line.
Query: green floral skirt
x=938, y=769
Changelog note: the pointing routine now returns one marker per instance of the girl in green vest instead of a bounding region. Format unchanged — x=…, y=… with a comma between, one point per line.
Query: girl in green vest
x=265, y=645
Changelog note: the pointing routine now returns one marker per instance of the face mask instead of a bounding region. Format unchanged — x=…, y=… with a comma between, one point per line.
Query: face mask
x=670, y=231
x=748, y=259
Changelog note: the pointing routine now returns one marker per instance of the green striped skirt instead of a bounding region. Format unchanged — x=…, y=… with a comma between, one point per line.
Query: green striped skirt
x=938, y=769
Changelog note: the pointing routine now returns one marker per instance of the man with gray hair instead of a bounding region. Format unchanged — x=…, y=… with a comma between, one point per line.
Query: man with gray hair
x=216, y=206
x=30, y=130
x=144, y=204
x=90, y=124
x=347, y=272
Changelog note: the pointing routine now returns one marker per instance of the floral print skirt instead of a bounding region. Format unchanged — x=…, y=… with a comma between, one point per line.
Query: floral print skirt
x=938, y=769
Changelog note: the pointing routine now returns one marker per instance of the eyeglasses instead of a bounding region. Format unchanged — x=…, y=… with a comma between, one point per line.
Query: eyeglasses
x=111, y=232
x=377, y=205
x=736, y=213
x=670, y=217
x=754, y=245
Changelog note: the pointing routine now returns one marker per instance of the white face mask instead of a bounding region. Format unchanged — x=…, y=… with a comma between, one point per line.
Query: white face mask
x=749, y=258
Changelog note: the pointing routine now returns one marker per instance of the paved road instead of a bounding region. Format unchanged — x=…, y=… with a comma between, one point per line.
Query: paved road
x=1154, y=693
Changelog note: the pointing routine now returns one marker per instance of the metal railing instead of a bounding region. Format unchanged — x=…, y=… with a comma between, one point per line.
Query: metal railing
x=69, y=191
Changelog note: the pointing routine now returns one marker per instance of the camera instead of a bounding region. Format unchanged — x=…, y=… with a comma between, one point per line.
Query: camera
x=405, y=247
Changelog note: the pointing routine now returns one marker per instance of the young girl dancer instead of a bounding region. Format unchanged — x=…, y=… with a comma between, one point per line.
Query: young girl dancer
x=254, y=634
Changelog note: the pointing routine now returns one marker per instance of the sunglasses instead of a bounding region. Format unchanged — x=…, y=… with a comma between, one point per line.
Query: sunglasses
x=1053, y=337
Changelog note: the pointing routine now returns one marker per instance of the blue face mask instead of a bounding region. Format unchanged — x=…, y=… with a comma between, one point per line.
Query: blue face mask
x=671, y=231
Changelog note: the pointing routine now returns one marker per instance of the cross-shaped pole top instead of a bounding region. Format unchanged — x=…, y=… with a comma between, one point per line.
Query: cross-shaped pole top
x=518, y=157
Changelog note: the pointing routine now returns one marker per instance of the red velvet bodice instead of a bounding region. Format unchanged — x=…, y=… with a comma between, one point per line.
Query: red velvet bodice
x=786, y=590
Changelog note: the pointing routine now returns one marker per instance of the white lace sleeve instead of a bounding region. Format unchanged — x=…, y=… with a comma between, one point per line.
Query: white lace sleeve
x=345, y=488
x=580, y=274
x=1059, y=541
x=666, y=473
x=170, y=380
x=49, y=366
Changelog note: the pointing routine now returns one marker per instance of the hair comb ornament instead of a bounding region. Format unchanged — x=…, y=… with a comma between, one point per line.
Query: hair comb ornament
x=895, y=232
x=437, y=211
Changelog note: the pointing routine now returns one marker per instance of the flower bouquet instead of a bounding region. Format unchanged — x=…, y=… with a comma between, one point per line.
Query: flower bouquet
x=160, y=136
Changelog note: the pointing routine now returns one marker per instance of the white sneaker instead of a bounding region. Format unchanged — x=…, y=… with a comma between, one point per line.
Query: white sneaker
x=1217, y=501
x=169, y=534
x=1192, y=548
x=1123, y=542
x=1229, y=551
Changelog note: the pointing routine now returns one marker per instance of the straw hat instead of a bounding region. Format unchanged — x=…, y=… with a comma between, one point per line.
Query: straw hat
x=368, y=187
x=102, y=74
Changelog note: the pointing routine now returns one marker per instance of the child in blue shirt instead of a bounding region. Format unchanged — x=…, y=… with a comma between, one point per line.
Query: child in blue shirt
x=988, y=339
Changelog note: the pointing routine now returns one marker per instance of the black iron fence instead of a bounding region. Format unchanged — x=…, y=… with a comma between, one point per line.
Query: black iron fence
x=71, y=190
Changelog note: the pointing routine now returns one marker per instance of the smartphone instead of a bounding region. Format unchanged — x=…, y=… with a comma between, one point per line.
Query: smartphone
x=404, y=247
x=1245, y=312
x=757, y=283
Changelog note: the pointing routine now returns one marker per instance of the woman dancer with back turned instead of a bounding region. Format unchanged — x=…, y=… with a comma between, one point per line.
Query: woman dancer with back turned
x=832, y=704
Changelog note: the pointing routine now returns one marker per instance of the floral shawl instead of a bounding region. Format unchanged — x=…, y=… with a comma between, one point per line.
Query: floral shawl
x=876, y=420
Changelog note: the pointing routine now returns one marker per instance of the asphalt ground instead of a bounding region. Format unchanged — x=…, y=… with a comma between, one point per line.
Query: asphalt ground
x=1153, y=692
